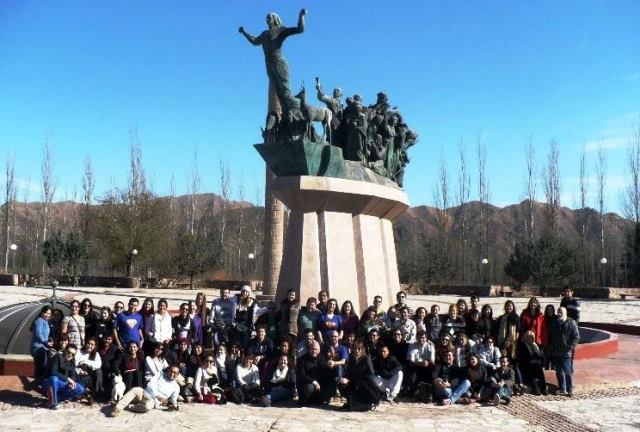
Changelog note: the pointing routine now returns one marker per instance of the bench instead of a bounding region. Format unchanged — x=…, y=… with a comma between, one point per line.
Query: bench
x=624, y=296
x=506, y=292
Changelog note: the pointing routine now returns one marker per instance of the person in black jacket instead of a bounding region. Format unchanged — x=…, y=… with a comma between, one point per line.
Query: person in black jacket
x=530, y=362
x=449, y=381
x=477, y=376
x=281, y=384
x=388, y=373
x=313, y=378
x=358, y=386
x=62, y=382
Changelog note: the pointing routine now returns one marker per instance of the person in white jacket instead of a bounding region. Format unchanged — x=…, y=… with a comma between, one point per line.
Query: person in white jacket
x=207, y=380
x=155, y=363
x=162, y=328
x=248, y=378
x=89, y=369
x=489, y=354
x=162, y=390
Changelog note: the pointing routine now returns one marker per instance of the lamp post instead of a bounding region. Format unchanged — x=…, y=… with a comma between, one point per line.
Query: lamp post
x=251, y=258
x=483, y=264
x=603, y=262
x=132, y=256
x=13, y=247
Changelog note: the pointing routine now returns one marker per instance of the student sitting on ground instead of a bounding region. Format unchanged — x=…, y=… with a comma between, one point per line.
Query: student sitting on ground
x=162, y=390
x=449, y=381
x=281, y=385
x=502, y=382
x=62, y=382
x=388, y=377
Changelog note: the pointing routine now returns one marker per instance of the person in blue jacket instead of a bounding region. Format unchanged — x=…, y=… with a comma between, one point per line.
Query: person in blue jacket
x=40, y=332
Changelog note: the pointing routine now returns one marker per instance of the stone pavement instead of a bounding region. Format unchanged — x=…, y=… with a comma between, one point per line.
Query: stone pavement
x=616, y=409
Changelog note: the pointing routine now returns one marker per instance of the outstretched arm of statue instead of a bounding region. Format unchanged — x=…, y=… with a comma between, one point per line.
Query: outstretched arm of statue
x=288, y=31
x=252, y=39
x=301, y=15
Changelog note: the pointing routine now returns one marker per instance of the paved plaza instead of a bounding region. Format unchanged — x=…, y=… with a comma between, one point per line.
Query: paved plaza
x=612, y=408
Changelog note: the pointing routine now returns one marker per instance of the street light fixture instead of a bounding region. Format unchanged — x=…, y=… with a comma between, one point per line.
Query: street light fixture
x=603, y=262
x=14, y=248
x=483, y=263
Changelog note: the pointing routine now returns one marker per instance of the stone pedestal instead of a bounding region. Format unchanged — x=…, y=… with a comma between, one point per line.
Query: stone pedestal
x=339, y=238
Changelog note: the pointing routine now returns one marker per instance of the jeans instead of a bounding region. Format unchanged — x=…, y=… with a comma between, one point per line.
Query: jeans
x=280, y=393
x=564, y=370
x=391, y=387
x=40, y=359
x=58, y=390
x=453, y=394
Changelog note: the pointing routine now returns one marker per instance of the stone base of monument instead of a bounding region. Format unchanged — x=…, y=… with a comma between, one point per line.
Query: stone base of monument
x=339, y=238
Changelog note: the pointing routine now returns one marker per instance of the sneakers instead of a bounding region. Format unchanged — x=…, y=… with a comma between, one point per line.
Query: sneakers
x=446, y=402
x=561, y=393
x=569, y=393
x=115, y=411
x=496, y=400
x=55, y=407
x=172, y=407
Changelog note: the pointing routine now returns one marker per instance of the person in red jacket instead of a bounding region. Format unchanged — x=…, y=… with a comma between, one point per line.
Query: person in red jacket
x=533, y=319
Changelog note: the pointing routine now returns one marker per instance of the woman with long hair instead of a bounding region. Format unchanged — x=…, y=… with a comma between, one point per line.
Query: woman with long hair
x=147, y=313
x=532, y=319
x=530, y=362
x=130, y=366
x=90, y=318
x=197, y=321
x=162, y=330
x=358, y=386
x=350, y=319
x=73, y=325
x=508, y=329
x=89, y=369
x=204, y=313
x=487, y=324
x=155, y=363
x=420, y=319
x=245, y=316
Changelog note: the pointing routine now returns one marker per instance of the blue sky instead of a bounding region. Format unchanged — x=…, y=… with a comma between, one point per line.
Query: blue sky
x=83, y=73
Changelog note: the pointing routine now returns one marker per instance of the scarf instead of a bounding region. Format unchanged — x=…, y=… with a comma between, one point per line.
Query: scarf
x=279, y=375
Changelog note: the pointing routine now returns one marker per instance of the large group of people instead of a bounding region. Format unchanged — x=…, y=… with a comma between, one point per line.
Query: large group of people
x=235, y=350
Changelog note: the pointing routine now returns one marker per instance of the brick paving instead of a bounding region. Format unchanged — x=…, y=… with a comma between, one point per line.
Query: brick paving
x=530, y=408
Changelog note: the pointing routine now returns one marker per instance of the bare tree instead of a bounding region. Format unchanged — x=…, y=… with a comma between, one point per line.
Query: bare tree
x=601, y=174
x=464, y=186
x=88, y=189
x=194, y=188
x=631, y=197
x=48, y=190
x=551, y=185
x=584, y=246
x=483, y=195
x=239, y=228
x=225, y=192
x=530, y=186
x=9, y=203
x=172, y=192
x=441, y=198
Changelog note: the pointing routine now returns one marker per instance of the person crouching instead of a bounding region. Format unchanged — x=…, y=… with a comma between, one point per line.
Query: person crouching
x=162, y=390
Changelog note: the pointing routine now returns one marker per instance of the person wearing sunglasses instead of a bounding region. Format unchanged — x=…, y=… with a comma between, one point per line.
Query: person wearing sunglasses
x=62, y=382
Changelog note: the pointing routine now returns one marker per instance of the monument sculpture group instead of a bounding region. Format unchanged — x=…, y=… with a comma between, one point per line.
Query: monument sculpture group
x=343, y=186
